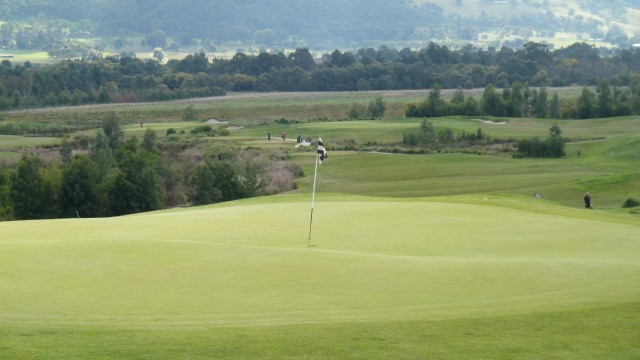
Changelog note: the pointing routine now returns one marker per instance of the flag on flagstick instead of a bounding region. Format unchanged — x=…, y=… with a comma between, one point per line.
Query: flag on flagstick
x=321, y=155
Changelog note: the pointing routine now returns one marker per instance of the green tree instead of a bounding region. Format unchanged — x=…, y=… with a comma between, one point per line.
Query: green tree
x=134, y=188
x=458, y=96
x=189, y=113
x=585, y=104
x=302, y=58
x=216, y=181
x=101, y=153
x=540, y=103
x=66, y=149
x=471, y=106
x=605, y=99
x=434, y=102
x=112, y=130
x=80, y=191
x=492, y=102
x=227, y=180
x=445, y=137
x=158, y=54
x=149, y=140
x=357, y=111
x=377, y=108
x=554, y=107
x=428, y=134
x=6, y=211
x=555, y=142
x=516, y=102
x=27, y=192
x=203, y=186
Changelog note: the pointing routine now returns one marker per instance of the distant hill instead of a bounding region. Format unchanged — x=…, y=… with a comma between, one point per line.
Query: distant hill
x=611, y=23
x=328, y=24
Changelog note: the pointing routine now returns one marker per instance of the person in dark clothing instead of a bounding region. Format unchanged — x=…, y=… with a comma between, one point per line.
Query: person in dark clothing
x=587, y=201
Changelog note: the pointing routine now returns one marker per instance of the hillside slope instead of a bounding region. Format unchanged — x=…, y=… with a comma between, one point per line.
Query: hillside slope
x=330, y=24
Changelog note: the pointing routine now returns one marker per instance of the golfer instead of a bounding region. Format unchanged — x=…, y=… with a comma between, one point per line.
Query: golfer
x=587, y=201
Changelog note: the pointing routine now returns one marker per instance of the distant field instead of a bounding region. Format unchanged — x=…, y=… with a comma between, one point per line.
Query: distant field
x=11, y=141
x=21, y=56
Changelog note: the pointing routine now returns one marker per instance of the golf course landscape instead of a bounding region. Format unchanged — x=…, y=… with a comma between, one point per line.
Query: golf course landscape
x=443, y=255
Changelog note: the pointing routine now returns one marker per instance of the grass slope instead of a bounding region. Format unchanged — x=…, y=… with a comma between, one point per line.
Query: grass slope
x=384, y=276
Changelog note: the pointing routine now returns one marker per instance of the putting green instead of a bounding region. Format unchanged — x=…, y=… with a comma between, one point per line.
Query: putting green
x=370, y=259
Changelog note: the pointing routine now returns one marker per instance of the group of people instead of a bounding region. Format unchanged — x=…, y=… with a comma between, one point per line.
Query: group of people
x=283, y=136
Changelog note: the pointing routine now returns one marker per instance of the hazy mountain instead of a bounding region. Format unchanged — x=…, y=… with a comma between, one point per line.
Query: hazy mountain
x=325, y=24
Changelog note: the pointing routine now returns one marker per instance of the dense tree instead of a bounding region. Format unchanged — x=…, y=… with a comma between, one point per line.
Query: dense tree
x=32, y=192
x=428, y=134
x=492, y=102
x=586, y=108
x=605, y=99
x=204, y=188
x=552, y=147
x=191, y=64
x=149, y=141
x=555, y=143
x=540, y=103
x=135, y=186
x=112, y=130
x=80, y=192
x=302, y=58
x=114, y=79
x=6, y=211
x=377, y=108
x=216, y=181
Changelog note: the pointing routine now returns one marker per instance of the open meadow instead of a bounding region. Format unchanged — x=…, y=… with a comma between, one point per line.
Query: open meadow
x=431, y=256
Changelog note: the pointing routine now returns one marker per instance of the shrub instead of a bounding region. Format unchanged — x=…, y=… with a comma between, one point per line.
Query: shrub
x=630, y=202
x=204, y=129
x=222, y=132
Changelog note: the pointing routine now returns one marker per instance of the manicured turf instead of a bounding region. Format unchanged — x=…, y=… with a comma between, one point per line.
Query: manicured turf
x=383, y=273
x=11, y=141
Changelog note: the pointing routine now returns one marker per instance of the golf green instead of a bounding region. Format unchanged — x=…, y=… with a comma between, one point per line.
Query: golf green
x=251, y=263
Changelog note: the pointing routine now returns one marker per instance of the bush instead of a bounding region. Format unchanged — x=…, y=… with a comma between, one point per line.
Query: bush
x=204, y=129
x=222, y=132
x=630, y=202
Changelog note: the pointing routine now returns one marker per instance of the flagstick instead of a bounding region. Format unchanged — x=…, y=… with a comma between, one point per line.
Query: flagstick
x=313, y=199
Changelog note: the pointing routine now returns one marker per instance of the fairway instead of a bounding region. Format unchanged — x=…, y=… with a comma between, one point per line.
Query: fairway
x=246, y=264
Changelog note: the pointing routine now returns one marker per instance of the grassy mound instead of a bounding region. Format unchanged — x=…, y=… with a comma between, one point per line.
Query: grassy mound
x=381, y=275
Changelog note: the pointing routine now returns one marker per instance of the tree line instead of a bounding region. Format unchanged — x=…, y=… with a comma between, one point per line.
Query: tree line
x=109, y=176
x=127, y=78
x=520, y=100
